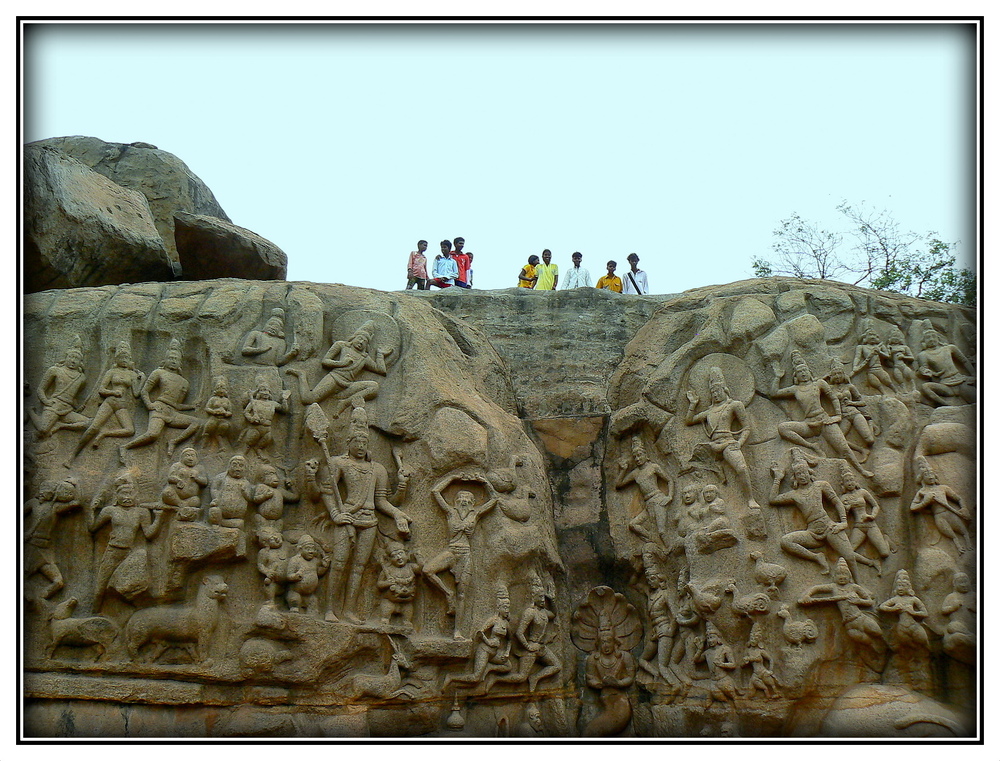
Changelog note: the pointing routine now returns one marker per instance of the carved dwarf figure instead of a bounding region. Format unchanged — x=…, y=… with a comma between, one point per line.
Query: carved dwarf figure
x=355, y=521
x=267, y=346
x=119, y=387
x=219, y=410
x=809, y=495
x=645, y=475
x=346, y=361
x=54, y=499
x=232, y=494
x=959, y=607
x=950, y=514
x=127, y=519
x=166, y=410
x=722, y=419
x=270, y=498
x=939, y=362
x=397, y=585
x=57, y=393
x=185, y=480
x=810, y=393
x=302, y=574
x=462, y=517
x=718, y=659
x=271, y=560
x=259, y=413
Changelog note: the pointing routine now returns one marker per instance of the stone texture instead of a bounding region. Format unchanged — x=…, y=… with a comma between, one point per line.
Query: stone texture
x=69, y=213
x=659, y=600
x=82, y=229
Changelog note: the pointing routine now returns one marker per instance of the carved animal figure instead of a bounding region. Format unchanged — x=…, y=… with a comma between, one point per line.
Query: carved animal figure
x=748, y=605
x=383, y=686
x=95, y=631
x=797, y=632
x=768, y=574
x=170, y=625
x=705, y=600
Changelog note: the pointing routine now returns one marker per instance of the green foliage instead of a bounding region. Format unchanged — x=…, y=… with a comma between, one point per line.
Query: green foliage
x=879, y=255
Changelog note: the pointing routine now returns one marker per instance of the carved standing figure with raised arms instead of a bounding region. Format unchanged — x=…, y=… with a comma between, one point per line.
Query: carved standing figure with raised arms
x=646, y=475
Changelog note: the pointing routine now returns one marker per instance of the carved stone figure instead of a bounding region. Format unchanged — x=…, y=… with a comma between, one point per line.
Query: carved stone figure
x=809, y=496
x=753, y=604
x=959, y=608
x=259, y=414
x=120, y=386
x=760, y=661
x=663, y=627
x=717, y=534
x=166, y=410
x=797, y=632
x=900, y=360
x=534, y=635
x=853, y=410
x=771, y=575
x=939, y=362
x=123, y=557
x=909, y=637
x=851, y=599
x=810, y=393
x=272, y=560
x=862, y=508
x=945, y=504
x=355, y=522
x=302, y=574
x=190, y=626
x=185, y=480
x=463, y=517
x=727, y=425
x=232, y=494
x=606, y=627
x=493, y=643
x=270, y=498
x=267, y=346
x=219, y=409
x=54, y=499
x=718, y=659
x=870, y=358
x=57, y=392
x=92, y=631
x=346, y=361
x=397, y=585
x=645, y=475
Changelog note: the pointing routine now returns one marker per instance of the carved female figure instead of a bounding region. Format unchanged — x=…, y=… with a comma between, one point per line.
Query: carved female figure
x=858, y=501
x=853, y=410
x=949, y=518
x=869, y=358
x=118, y=389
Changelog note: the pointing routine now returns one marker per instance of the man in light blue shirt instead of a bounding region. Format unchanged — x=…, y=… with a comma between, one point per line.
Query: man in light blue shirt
x=445, y=268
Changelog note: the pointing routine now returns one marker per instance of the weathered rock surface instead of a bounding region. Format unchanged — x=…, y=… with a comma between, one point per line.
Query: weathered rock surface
x=707, y=530
x=81, y=228
x=171, y=189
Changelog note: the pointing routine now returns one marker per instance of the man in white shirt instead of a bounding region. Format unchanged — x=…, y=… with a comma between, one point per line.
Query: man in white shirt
x=445, y=268
x=577, y=277
x=634, y=280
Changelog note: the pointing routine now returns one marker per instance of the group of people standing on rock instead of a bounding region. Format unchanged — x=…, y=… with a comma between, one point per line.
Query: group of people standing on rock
x=544, y=276
x=453, y=267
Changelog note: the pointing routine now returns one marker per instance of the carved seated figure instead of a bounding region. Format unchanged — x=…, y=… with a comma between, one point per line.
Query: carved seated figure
x=939, y=364
x=493, y=642
x=185, y=480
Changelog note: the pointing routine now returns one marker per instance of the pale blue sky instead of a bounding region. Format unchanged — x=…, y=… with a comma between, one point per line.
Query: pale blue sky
x=345, y=144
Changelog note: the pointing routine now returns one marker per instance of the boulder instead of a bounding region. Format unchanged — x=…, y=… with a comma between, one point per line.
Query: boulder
x=82, y=229
x=210, y=247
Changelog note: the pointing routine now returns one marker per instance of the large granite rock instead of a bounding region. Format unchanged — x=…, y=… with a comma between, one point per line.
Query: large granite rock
x=171, y=189
x=707, y=530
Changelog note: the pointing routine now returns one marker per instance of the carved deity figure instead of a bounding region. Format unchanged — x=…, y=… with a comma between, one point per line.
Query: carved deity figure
x=900, y=360
x=259, y=414
x=851, y=599
x=718, y=659
x=302, y=574
x=862, y=509
x=185, y=480
x=945, y=504
x=853, y=410
x=54, y=499
x=355, y=522
x=728, y=427
x=646, y=475
x=870, y=358
x=534, y=635
x=959, y=608
x=909, y=637
x=219, y=409
x=397, y=585
x=493, y=642
x=760, y=661
x=809, y=496
x=267, y=346
x=120, y=386
x=810, y=393
x=611, y=671
x=462, y=517
x=662, y=624
x=938, y=363
x=127, y=519
x=57, y=392
x=346, y=361
x=166, y=410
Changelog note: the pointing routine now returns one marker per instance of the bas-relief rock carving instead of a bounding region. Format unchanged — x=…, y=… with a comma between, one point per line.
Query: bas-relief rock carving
x=796, y=503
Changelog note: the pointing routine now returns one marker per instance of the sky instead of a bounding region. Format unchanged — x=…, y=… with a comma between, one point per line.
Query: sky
x=344, y=144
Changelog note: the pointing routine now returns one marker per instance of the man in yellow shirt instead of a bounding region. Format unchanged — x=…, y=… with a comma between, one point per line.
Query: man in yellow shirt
x=548, y=273
x=610, y=282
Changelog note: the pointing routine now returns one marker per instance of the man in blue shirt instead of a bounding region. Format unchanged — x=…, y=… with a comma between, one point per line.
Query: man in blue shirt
x=445, y=268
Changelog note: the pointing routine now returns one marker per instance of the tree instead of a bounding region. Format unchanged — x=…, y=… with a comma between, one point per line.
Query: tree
x=879, y=255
